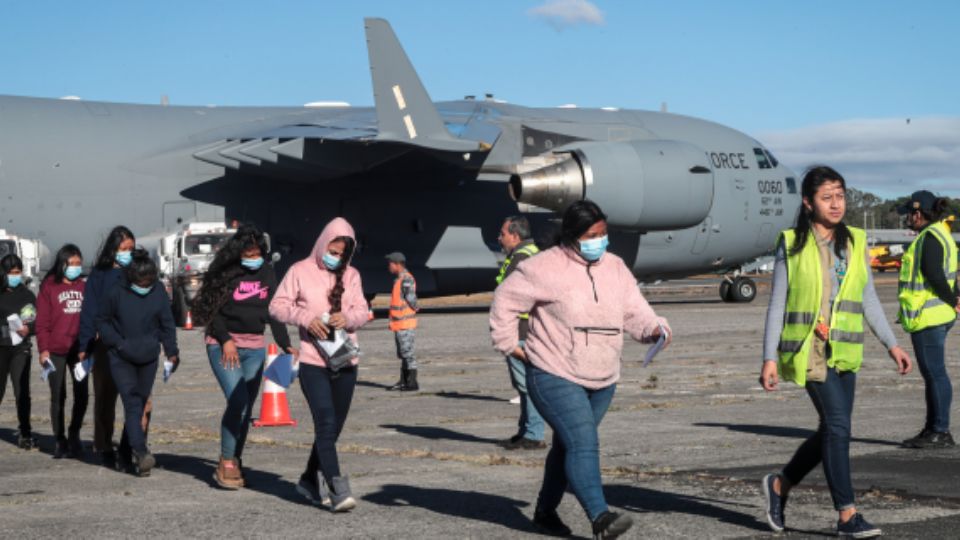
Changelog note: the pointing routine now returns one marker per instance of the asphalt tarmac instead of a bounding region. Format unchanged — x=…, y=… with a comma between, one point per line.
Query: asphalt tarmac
x=683, y=446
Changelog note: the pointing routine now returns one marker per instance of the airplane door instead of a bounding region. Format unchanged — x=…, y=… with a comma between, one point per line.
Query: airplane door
x=703, y=236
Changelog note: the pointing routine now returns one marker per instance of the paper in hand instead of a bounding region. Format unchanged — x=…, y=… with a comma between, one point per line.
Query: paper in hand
x=282, y=371
x=15, y=324
x=167, y=370
x=47, y=370
x=657, y=347
x=81, y=369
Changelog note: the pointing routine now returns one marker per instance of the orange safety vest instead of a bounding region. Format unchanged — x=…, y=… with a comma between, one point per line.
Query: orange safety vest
x=402, y=316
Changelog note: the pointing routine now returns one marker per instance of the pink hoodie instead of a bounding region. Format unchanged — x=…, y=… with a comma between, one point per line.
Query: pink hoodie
x=302, y=295
x=576, y=321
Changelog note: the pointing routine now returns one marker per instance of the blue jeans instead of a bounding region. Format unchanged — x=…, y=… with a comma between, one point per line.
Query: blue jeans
x=929, y=346
x=574, y=412
x=830, y=444
x=530, y=425
x=240, y=386
x=329, y=396
x=134, y=384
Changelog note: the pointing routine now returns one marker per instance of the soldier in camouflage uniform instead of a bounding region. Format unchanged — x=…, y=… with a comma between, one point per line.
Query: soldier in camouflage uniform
x=403, y=320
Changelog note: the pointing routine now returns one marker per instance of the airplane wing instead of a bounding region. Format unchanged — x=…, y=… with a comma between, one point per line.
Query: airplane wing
x=406, y=122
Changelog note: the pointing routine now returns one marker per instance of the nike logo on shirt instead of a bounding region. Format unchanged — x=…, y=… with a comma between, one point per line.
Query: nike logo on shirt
x=250, y=289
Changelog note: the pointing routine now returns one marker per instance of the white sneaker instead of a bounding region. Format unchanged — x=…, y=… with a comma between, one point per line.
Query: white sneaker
x=515, y=400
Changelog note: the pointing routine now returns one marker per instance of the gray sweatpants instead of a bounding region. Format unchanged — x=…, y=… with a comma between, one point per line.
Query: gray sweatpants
x=404, y=340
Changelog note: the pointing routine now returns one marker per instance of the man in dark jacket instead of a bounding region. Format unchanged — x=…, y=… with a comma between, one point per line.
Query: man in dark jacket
x=134, y=320
x=516, y=241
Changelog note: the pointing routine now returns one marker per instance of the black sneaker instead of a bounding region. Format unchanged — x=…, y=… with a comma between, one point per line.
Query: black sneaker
x=611, y=525
x=549, y=523
x=28, y=442
x=108, y=459
x=857, y=527
x=909, y=442
x=522, y=443
x=933, y=439
x=143, y=463
x=775, y=503
x=74, y=448
x=60, y=450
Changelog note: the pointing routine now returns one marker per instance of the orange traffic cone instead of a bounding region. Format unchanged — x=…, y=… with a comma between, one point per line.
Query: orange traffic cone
x=274, y=410
x=188, y=324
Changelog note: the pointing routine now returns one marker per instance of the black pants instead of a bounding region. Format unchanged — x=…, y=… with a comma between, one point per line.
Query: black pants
x=328, y=395
x=58, y=396
x=134, y=384
x=15, y=361
x=104, y=400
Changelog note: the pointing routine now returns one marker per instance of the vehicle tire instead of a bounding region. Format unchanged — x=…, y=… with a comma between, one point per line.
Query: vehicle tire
x=179, y=307
x=743, y=290
x=725, y=291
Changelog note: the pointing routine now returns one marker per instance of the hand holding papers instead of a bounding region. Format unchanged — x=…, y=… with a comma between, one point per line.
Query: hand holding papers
x=47, y=370
x=167, y=370
x=658, y=346
x=15, y=324
x=80, y=369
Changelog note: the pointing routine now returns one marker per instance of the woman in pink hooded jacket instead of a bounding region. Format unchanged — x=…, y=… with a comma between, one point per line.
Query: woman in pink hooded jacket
x=322, y=294
x=581, y=300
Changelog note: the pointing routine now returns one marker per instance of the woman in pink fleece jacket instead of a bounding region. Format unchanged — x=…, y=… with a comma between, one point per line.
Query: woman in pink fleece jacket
x=320, y=294
x=581, y=300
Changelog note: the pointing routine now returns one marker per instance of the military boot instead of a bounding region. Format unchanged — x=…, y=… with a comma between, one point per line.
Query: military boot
x=402, y=383
x=411, y=381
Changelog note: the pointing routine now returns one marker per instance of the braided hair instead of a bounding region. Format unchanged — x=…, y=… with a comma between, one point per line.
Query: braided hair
x=336, y=293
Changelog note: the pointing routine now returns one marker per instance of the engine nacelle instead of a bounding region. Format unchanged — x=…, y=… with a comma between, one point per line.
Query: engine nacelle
x=640, y=185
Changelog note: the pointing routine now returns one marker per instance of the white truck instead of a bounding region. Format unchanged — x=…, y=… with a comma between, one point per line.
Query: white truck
x=30, y=252
x=183, y=257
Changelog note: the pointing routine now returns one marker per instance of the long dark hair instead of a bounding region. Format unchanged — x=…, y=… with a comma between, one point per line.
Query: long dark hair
x=577, y=219
x=336, y=293
x=815, y=177
x=224, y=269
x=59, y=268
x=108, y=251
x=8, y=263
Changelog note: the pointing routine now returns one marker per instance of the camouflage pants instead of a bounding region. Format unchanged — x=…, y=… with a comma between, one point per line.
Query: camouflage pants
x=404, y=339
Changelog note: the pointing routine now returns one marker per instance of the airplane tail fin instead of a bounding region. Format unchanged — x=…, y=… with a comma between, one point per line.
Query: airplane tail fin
x=405, y=112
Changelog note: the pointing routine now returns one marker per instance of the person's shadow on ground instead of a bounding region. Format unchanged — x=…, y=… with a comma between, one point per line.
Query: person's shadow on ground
x=459, y=504
x=643, y=500
x=46, y=443
x=785, y=431
x=437, y=433
x=256, y=480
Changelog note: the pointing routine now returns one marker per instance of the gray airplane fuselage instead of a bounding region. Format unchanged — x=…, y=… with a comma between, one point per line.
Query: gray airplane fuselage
x=70, y=170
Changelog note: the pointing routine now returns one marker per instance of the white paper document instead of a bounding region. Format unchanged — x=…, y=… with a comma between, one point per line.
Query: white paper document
x=332, y=345
x=81, y=369
x=657, y=347
x=167, y=370
x=15, y=325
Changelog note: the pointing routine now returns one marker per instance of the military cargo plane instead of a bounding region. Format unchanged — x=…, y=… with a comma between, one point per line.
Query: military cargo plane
x=433, y=180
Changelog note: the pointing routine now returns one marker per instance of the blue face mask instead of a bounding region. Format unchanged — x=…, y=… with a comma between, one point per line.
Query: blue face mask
x=142, y=291
x=123, y=258
x=72, y=272
x=594, y=248
x=330, y=261
x=14, y=281
x=252, y=264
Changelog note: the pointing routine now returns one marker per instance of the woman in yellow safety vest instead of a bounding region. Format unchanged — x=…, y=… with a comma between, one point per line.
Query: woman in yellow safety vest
x=822, y=293
x=928, y=304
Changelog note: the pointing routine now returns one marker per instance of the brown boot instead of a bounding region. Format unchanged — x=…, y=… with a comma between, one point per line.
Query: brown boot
x=228, y=475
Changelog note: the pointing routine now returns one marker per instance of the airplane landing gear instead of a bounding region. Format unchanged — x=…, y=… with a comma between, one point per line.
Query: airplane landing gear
x=738, y=289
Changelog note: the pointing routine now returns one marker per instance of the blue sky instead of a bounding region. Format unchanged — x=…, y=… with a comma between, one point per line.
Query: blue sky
x=793, y=73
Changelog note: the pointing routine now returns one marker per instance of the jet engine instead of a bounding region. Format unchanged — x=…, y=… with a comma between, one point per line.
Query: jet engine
x=640, y=185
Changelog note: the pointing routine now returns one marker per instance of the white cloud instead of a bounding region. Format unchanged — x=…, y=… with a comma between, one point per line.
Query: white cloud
x=886, y=156
x=566, y=13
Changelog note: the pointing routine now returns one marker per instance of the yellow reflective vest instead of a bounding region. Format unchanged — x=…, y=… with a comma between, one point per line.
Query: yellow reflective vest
x=805, y=287
x=529, y=250
x=920, y=307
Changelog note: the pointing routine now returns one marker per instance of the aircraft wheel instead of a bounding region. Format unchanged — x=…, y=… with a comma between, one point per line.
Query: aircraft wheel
x=725, y=291
x=743, y=290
